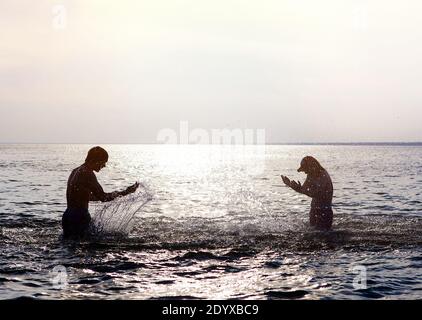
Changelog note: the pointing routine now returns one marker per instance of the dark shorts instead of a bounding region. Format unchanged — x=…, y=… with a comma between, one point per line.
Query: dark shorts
x=321, y=217
x=75, y=222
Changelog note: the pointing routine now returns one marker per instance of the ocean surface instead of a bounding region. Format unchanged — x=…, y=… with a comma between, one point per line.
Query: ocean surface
x=213, y=222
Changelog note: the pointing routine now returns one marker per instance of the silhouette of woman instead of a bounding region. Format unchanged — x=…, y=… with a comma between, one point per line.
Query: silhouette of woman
x=319, y=187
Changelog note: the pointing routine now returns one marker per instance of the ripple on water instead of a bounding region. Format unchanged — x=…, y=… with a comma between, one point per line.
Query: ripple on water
x=295, y=294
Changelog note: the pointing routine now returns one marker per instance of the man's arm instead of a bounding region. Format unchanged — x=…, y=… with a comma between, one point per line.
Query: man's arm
x=96, y=190
x=92, y=197
x=97, y=193
x=106, y=197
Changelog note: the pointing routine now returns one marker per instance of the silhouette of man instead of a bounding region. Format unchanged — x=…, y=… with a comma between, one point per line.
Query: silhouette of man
x=82, y=187
x=319, y=187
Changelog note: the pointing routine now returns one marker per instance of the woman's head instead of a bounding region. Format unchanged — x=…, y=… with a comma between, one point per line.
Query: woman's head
x=310, y=165
x=96, y=158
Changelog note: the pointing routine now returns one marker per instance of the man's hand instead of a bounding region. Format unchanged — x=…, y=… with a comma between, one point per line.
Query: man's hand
x=132, y=188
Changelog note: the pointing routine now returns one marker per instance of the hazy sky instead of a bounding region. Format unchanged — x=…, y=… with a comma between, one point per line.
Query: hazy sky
x=119, y=71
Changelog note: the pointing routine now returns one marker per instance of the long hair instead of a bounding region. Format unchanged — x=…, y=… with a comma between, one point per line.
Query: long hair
x=310, y=164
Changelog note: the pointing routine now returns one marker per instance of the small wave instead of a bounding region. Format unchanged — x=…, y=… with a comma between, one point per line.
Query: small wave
x=25, y=222
x=15, y=271
x=176, y=298
x=297, y=294
x=107, y=267
x=165, y=282
x=369, y=293
x=201, y=255
x=89, y=281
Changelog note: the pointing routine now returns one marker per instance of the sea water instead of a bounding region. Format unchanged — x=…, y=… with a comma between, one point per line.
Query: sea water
x=213, y=222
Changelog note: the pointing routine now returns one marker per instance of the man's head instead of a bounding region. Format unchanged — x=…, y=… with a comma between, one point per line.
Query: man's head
x=96, y=158
x=310, y=165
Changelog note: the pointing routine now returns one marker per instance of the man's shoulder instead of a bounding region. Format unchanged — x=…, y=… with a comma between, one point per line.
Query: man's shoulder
x=83, y=172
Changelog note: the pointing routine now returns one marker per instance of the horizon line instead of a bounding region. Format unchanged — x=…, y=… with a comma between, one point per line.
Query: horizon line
x=369, y=143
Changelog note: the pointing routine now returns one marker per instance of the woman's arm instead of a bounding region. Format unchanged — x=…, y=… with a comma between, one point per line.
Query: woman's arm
x=292, y=184
x=307, y=188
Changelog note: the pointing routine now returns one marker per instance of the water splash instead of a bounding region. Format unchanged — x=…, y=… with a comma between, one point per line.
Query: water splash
x=115, y=218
